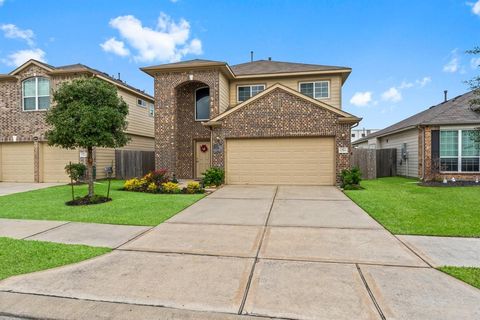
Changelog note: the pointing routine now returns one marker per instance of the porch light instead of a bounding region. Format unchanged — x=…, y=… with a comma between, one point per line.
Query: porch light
x=190, y=77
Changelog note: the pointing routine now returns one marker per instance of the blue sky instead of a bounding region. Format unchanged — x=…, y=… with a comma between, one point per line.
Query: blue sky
x=403, y=53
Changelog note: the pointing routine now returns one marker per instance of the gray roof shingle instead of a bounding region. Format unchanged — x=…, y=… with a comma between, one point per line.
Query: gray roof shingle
x=269, y=66
x=454, y=111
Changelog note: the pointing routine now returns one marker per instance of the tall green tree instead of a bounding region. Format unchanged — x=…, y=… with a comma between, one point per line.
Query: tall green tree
x=87, y=113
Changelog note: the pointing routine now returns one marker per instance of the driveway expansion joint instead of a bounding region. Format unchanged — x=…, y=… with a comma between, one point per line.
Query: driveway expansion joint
x=247, y=288
x=45, y=231
x=370, y=293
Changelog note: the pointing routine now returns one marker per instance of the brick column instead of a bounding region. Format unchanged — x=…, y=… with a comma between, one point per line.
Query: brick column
x=36, y=160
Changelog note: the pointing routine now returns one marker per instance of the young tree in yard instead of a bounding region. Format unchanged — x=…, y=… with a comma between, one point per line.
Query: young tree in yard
x=87, y=113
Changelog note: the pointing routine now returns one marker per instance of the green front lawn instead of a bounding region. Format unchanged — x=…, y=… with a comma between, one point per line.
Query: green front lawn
x=403, y=207
x=131, y=208
x=466, y=274
x=24, y=256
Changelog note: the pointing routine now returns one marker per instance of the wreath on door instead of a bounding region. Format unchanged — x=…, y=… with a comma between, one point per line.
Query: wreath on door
x=203, y=148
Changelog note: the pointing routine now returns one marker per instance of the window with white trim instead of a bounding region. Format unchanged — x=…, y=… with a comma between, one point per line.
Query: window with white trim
x=202, y=104
x=246, y=92
x=151, y=110
x=315, y=89
x=36, y=94
x=459, y=151
x=141, y=103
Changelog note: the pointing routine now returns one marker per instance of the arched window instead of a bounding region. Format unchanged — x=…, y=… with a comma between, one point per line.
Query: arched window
x=202, y=104
x=36, y=94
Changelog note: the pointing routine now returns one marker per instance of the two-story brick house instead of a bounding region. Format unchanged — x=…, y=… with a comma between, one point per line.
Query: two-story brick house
x=264, y=122
x=26, y=95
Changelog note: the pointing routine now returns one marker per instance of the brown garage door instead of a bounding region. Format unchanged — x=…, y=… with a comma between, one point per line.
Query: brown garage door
x=53, y=163
x=16, y=162
x=308, y=161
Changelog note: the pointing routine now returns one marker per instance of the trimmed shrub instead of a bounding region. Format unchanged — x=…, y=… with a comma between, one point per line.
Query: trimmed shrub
x=351, y=178
x=193, y=187
x=136, y=184
x=170, y=187
x=76, y=171
x=157, y=177
x=214, y=177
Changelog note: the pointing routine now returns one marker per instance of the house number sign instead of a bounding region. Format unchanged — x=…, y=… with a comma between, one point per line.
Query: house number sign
x=342, y=150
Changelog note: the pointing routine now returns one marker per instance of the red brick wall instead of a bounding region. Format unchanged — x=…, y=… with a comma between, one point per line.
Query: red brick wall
x=281, y=114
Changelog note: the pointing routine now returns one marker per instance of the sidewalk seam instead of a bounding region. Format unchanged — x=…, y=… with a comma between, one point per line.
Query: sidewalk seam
x=370, y=293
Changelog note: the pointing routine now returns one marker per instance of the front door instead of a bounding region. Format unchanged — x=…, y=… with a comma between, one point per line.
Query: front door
x=202, y=157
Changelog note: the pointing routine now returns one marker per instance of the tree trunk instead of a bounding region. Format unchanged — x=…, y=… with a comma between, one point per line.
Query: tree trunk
x=90, y=171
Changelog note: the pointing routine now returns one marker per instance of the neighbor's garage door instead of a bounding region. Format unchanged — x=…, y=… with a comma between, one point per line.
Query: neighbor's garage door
x=16, y=162
x=280, y=161
x=54, y=161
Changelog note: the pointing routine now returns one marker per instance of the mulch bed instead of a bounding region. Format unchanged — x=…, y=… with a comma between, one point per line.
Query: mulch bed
x=88, y=201
x=449, y=184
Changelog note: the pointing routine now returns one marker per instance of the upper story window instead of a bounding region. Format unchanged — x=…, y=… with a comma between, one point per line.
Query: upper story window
x=151, y=110
x=202, y=104
x=246, y=92
x=459, y=151
x=36, y=94
x=315, y=89
x=141, y=103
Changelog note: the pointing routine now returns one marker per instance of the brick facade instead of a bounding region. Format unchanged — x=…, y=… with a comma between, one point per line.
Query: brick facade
x=281, y=114
x=175, y=128
x=432, y=172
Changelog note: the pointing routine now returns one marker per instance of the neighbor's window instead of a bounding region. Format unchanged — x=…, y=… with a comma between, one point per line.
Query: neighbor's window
x=36, y=94
x=202, y=104
x=141, y=103
x=459, y=152
x=246, y=92
x=316, y=89
x=151, y=110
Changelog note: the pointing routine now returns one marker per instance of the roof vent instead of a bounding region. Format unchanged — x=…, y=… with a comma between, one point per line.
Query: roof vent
x=269, y=58
x=445, y=95
x=251, y=56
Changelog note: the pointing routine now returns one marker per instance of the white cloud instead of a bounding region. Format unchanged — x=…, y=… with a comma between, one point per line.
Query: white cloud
x=361, y=99
x=453, y=65
x=114, y=46
x=423, y=82
x=13, y=32
x=475, y=63
x=476, y=7
x=392, y=94
x=169, y=41
x=1, y=2
x=405, y=85
x=20, y=57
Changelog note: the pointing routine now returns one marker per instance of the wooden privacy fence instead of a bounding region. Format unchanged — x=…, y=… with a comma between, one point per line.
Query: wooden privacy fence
x=132, y=163
x=375, y=163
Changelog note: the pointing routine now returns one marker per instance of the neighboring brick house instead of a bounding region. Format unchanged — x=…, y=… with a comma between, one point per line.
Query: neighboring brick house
x=434, y=144
x=264, y=122
x=26, y=95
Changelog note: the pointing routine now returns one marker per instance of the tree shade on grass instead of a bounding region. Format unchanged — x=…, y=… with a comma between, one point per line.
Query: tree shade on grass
x=466, y=274
x=403, y=207
x=132, y=208
x=24, y=256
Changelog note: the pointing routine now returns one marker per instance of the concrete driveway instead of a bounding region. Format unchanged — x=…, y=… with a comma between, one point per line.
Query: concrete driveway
x=287, y=252
x=16, y=187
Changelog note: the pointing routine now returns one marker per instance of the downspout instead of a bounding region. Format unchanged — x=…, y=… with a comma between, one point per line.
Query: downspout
x=423, y=153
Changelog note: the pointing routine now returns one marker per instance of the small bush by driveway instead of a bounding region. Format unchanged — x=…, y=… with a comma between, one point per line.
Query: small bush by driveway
x=130, y=208
x=403, y=207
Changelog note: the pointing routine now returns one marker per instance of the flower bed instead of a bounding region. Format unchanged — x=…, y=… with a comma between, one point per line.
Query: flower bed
x=158, y=181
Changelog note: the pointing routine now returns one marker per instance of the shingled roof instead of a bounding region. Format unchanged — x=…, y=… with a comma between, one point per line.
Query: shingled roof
x=271, y=67
x=456, y=111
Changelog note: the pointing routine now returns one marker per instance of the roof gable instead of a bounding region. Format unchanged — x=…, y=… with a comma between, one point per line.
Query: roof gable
x=347, y=117
x=30, y=62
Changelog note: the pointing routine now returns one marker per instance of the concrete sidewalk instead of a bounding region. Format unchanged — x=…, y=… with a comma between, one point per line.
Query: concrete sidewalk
x=91, y=234
x=263, y=251
x=7, y=188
